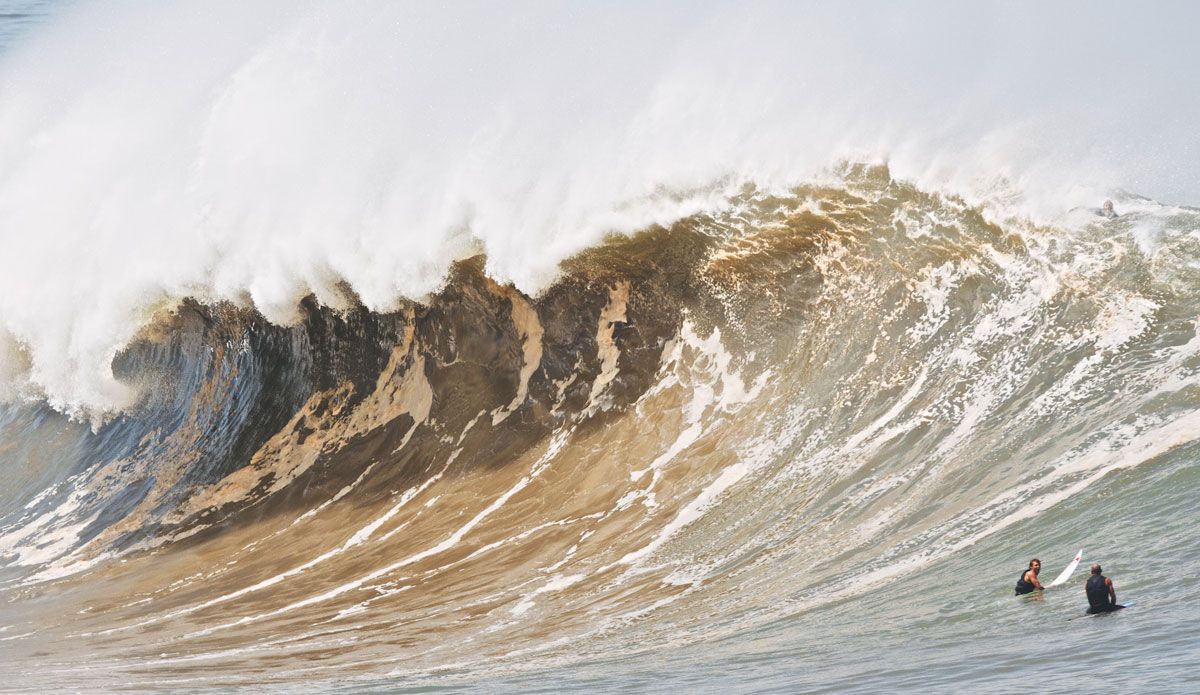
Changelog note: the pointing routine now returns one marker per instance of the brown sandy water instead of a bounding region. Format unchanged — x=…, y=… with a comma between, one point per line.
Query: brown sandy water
x=703, y=444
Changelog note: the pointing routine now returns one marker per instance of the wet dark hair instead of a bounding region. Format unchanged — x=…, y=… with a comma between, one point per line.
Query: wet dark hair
x=1033, y=561
x=1096, y=568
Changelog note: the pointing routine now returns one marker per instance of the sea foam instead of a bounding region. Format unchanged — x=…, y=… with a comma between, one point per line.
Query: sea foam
x=150, y=151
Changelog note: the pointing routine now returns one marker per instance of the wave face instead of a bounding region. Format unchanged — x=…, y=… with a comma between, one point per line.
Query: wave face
x=736, y=432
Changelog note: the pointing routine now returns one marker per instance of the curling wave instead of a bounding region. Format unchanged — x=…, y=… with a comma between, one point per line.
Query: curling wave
x=694, y=432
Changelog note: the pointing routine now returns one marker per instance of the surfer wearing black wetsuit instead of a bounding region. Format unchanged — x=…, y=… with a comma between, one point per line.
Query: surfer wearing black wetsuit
x=1029, y=581
x=1102, y=597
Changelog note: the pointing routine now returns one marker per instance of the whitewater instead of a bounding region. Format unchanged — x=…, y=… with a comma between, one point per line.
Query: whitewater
x=379, y=347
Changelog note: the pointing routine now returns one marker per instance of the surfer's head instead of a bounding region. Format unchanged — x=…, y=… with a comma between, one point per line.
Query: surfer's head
x=1035, y=565
x=1096, y=568
x=1107, y=207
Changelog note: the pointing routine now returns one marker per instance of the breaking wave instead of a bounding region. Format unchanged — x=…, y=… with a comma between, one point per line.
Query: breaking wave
x=691, y=433
x=383, y=346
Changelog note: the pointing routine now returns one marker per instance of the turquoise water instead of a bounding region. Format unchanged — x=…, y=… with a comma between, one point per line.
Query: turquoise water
x=956, y=627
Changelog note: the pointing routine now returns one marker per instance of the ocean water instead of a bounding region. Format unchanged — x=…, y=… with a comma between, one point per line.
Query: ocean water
x=381, y=348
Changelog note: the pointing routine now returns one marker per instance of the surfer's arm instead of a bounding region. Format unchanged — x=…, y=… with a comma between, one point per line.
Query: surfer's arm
x=1034, y=580
x=1112, y=592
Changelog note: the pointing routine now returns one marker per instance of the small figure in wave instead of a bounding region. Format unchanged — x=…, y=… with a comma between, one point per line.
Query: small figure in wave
x=1102, y=597
x=1028, y=583
x=1106, y=210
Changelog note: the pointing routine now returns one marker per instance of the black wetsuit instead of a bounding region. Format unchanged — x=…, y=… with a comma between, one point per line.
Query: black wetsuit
x=1024, y=587
x=1097, y=594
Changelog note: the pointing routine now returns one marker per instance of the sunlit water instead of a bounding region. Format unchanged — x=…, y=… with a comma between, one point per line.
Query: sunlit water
x=794, y=436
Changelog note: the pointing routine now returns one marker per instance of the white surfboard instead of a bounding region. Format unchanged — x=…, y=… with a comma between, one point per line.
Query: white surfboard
x=1066, y=574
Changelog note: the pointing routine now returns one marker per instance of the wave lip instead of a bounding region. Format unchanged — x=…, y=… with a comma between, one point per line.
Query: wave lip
x=261, y=156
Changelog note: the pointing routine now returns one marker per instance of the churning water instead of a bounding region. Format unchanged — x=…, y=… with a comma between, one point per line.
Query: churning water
x=380, y=348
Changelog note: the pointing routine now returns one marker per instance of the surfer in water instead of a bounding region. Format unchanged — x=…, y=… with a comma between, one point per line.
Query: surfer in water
x=1102, y=597
x=1106, y=210
x=1028, y=582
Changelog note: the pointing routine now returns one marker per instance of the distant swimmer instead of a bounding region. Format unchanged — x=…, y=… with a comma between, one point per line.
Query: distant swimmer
x=1028, y=583
x=1102, y=597
x=1107, y=210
